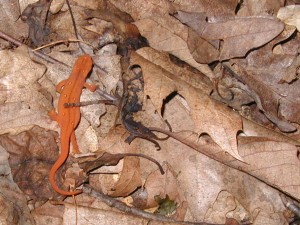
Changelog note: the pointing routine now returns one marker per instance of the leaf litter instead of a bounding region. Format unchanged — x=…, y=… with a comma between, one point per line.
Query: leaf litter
x=223, y=75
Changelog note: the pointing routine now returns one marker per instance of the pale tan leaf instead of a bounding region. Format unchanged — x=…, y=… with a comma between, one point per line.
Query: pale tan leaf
x=18, y=117
x=273, y=159
x=227, y=204
x=56, y=6
x=290, y=15
x=220, y=122
x=274, y=162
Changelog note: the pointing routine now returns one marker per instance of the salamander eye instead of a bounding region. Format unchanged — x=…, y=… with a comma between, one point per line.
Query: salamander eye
x=65, y=95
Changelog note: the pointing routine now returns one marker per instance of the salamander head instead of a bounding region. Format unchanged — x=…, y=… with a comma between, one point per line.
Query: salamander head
x=83, y=64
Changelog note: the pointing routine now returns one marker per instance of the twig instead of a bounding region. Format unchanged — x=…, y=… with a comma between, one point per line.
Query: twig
x=134, y=211
x=58, y=42
x=73, y=20
x=86, y=103
x=37, y=53
x=146, y=157
x=76, y=34
x=290, y=205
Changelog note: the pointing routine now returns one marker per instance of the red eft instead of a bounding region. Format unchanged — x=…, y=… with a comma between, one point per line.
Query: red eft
x=68, y=117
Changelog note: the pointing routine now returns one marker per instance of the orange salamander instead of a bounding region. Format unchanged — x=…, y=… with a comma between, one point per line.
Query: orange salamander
x=68, y=117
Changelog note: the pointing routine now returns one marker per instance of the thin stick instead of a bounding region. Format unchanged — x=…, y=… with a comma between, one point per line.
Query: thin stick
x=147, y=157
x=74, y=24
x=76, y=34
x=134, y=211
x=58, y=42
x=86, y=103
x=37, y=53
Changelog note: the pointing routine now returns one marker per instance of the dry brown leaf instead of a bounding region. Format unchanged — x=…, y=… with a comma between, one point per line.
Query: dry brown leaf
x=238, y=31
x=23, y=105
x=159, y=84
x=292, y=71
x=162, y=38
x=140, y=9
x=201, y=49
x=32, y=154
x=274, y=162
x=129, y=168
x=227, y=206
x=258, y=8
x=210, y=7
x=130, y=178
x=266, y=97
x=269, y=160
x=162, y=185
x=263, y=72
x=9, y=18
x=107, y=216
x=14, y=208
x=211, y=117
x=202, y=179
x=183, y=72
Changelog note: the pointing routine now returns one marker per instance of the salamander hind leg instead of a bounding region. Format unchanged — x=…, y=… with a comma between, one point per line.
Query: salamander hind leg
x=74, y=143
x=60, y=86
x=91, y=87
x=53, y=115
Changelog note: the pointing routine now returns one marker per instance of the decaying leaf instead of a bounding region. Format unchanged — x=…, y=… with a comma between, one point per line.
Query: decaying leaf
x=163, y=185
x=226, y=204
x=14, y=208
x=35, y=15
x=241, y=32
x=201, y=49
x=32, y=154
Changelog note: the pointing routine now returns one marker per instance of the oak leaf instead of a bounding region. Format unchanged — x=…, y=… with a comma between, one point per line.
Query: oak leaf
x=209, y=117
